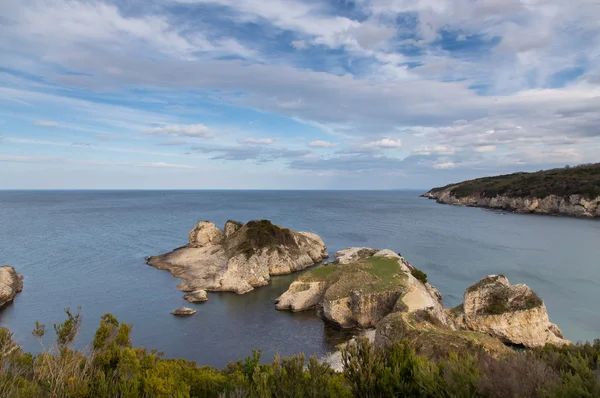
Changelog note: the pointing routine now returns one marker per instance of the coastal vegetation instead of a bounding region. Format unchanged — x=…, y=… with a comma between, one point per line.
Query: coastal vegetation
x=579, y=180
x=112, y=367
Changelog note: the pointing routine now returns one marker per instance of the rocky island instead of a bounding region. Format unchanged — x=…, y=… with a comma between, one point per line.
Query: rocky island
x=238, y=258
x=571, y=191
x=368, y=288
x=11, y=283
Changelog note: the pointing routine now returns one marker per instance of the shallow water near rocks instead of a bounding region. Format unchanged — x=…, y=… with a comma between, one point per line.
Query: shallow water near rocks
x=87, y=248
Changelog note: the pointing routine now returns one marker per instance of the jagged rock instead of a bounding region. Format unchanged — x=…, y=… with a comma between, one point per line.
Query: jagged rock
x=511, y=313
x=353, y=254
x=361, y=288
x=196, y=296
x=11, y=283
x=301, y=296
x=231, y=227
x=184, y=311
x=204, y=234
x=241, y=258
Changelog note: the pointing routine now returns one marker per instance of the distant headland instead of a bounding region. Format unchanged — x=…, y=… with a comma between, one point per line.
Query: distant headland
x=571, y=191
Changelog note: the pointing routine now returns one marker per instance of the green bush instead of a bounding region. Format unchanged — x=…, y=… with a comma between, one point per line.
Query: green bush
x=420, y=275
x=113, y=368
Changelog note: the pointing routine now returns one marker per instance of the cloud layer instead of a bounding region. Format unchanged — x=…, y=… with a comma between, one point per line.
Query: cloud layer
x=418, y=92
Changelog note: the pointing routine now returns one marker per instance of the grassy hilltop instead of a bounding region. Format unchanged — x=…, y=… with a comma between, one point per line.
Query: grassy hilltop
x=582, y=180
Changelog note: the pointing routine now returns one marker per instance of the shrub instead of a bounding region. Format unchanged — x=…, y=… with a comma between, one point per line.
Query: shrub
x=112, y=368
x=420, y=275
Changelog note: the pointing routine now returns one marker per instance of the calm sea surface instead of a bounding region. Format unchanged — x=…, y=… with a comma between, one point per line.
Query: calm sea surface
x=86, y=248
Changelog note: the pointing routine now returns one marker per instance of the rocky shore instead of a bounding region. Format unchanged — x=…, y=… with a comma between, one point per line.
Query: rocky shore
x=11, y=283
x=572, y=205
x=239, y=257
x=368, y=288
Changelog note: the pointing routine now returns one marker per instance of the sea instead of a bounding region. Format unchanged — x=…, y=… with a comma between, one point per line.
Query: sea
x=87, y=250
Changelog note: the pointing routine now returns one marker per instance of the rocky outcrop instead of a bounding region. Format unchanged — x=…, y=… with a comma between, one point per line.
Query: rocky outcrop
x=11, y=283
x=361, y=288
x=184, y=311
x=196, y=296
x=432, y=339
x=511, y=313
x=494, y=313
x=241, y=257
x=368, y=288
x=573, y=205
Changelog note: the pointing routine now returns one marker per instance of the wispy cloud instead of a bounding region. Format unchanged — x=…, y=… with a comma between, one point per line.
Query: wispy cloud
x=257, y=141
x=189, y=130
x=47, y=123
x=322, y=144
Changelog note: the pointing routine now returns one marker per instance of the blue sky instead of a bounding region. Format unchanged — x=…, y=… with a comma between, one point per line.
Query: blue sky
x=294, y=94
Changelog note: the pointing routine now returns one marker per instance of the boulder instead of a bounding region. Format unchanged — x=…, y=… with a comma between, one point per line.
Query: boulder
x=231, y=227
x=511, y=313
x=353, y=254
x=184, y=311
x=240, y=258
x=11, y=283
x=196, y=296
x=204, y=234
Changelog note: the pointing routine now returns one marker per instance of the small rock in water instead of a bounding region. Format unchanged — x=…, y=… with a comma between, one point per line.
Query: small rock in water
x=184, y=311
x=197, y=296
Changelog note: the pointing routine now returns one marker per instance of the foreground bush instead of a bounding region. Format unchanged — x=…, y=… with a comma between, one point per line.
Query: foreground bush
x=113, y=368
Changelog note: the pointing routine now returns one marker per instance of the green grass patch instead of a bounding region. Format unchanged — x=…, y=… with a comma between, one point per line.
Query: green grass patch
x=322, y=273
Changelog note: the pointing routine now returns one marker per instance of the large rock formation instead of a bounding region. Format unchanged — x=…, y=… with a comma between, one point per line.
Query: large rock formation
x=11, y=283
x=573, y=205
x=511, y=313
x=368, y=288
x=241, y=257
x=360, y=288
x=494, y=313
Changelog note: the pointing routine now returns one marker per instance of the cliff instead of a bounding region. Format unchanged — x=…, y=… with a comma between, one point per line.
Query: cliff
x=11, y=283
x=570, y=191
x=239, y=257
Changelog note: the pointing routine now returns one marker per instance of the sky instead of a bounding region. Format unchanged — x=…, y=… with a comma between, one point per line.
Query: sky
x=294, y=94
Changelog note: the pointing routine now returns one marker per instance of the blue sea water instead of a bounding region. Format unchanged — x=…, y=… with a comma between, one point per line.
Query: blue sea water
x=87, y=248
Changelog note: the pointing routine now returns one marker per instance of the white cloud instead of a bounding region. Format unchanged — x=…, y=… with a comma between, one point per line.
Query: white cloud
x=446, y=165
x=299, y=44
x=47, y=123
x=185, y=130
x=385, y=143
x=165, y=165
x=30, y=159
x=257, y=141
x=435, y=149
x=322, y=144
x=485, y=148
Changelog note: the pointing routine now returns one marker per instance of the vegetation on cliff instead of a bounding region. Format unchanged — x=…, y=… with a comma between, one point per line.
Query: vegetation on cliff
x=581, y=180
x=111, y=367
x=262, y=234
